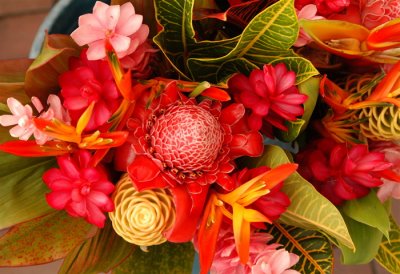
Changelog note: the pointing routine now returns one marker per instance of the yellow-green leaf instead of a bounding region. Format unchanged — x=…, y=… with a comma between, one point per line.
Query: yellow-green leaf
x=389, y=250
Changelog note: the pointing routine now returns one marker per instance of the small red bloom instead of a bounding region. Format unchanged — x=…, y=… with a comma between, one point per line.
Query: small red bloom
x=271, y=95
x=87, y=82
x=82, y=190
x=341, y=172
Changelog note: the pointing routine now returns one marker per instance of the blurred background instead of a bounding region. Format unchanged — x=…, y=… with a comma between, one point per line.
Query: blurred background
x=20, y=21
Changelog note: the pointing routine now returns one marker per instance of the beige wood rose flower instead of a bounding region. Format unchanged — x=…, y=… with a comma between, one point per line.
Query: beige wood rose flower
x=141, y=217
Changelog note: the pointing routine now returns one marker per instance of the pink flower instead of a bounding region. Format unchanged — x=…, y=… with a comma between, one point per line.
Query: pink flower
x=329, y=7
x=118, y=24
x=307, y=12
x=340, y=172
x=138, y=61
x=264, y=258
x=271, y=95
x=82, y=190
x=87, y=82
x=377, y=12
x=392, y=154
x=22, y=118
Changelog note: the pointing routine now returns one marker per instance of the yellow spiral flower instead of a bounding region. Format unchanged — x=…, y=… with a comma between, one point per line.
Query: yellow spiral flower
x=141, y=217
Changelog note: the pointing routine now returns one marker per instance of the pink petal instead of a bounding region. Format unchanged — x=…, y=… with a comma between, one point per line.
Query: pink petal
x=120, y=43
x=68, y=167
x=8, y=120
x=95, y=215
x=86, y=34
x=77, y=208
x=75, y=103
x=58, y=200
x=97, y=50
x=104, y=186
x=130, y=26
x=98, y=198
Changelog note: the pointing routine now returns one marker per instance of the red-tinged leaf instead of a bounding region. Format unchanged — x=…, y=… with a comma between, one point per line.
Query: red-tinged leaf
x=385, y=36
x=32, y=149
x=339, y=37
x=102, y=253
x=42, y=76
x=12, y=77
x=208, y=233
x=43, y=239
x=216, y=94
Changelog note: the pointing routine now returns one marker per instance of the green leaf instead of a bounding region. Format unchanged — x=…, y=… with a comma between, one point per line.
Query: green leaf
x=370, y=211
x=42, y=240
x=293, y=131
x=22, y=191
x=237, y=65
x=166, y=258
x=12, y=77
x=389, y=250
x=100, y=253
x=366, y=240
x=314, y=249
x=42, y=76
x=311, y=89
x=308, y=208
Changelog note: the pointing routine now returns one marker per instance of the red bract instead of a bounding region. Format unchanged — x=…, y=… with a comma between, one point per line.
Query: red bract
x=271, y=205
x=271, y=95
x=186, y=146
x=87, y=82
x=325, y=7
x=82, y=190
x=341, y=172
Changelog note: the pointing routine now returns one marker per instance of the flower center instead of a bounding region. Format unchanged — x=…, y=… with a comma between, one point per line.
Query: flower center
x=187, y=137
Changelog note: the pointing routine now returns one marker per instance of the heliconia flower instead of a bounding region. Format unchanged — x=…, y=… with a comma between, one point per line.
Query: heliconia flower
x=79, y=188
x=264, y=257
x=341, y=172
x=22, y=117
x=118, y=24
x=390, y=188
x=307, y=12
x=186, y=146
x=87, y=82
x=271, y=95
x=377, y=12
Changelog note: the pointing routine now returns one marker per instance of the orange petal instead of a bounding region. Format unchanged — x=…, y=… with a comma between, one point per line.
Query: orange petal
x=241, y=232
x=385, y=36
x=84, y=119
x=216, y=94
x=32, y=149
x=278, y=174
x=389, y=83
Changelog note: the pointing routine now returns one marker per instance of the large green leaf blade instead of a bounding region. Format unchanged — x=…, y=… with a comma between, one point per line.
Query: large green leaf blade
x=308, y=209
x=100, y=253
x=168, y=258
x=22, y=191
x=42, y=240
x=389, y=250
x=12, y=77
x=314, y=249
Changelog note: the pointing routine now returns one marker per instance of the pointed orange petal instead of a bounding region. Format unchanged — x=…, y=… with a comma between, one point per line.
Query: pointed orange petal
x=241, y=233
x=216, y=94
x=385, y=36
x=32, y=149
x=388, y=84
x=208, y=234
x=84, y=119
x=57, y=129
x=254, y=216
x=278, y=174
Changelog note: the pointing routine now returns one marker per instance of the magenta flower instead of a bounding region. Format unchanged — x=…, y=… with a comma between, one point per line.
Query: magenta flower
x=87, y=82
x=340, y=172
x=118, y=24
x=80, y=189
x=377, y=12
x=271, y=95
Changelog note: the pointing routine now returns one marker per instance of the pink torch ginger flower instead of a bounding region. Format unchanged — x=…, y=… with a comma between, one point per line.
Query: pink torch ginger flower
x=271, y=95
x=264, y=258
x=118, y=24
x=22, y=117
x=342, y=173
x=87, y=82
x=307, y=12
x=82, y=190
x=377, y=12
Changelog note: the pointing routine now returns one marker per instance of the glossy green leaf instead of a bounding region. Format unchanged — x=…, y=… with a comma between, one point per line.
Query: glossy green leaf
x=100, y=253
x=22, y=191
x=313, y=248
x=42, y=240
x=366, y=240
x=308, y=208
x=293, y=131
x=42, y=76
x=231, y=67
x=311, y=89
x=165, y=258
x=12, y=77
x=389, y=250
x=370, y=211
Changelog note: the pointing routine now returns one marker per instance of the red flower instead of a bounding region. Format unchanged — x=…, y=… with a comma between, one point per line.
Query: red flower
x=340, y=172
x=325, y=7
x=80, y=189
x=271, y=95
x=271, y=205
x=186, y=146
x=85, y=82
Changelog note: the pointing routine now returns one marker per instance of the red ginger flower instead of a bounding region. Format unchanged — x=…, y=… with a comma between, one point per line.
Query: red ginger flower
x=87, y=82
x=340, y=172
x=79, y=188
x=325, y=7
x=185, y=146
x=271, y=95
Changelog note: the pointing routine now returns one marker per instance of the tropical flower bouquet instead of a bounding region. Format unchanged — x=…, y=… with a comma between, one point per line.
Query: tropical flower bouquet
x=240, y=136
